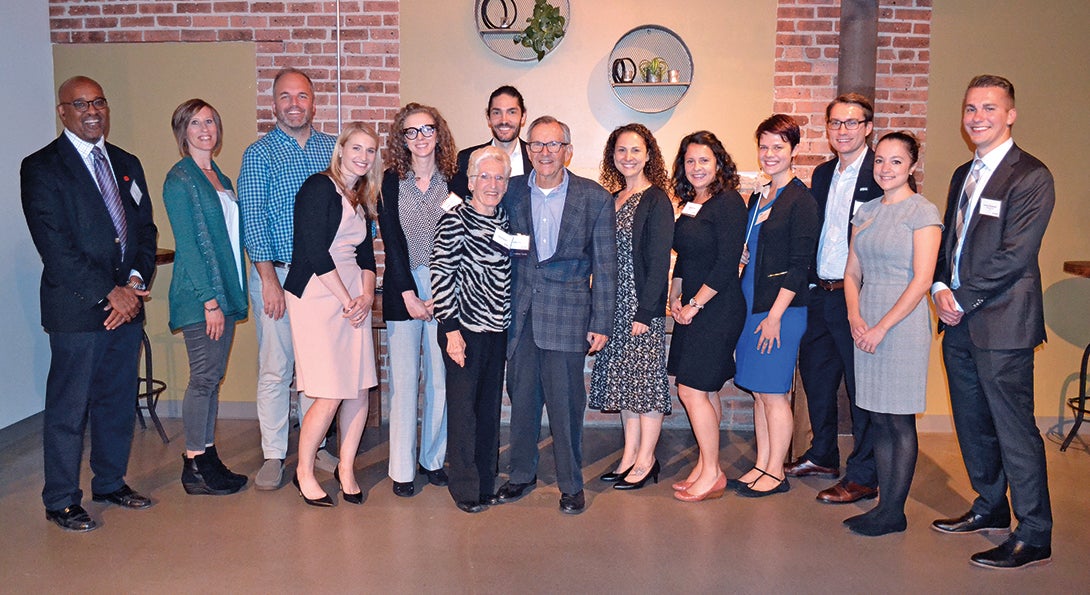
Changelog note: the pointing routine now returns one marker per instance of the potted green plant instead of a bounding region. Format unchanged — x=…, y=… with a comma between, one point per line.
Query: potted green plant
x=543, y=29
x=654, y=70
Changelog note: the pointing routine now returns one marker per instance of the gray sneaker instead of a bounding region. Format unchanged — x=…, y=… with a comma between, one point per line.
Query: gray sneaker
x=270, y=475
x=326, y=461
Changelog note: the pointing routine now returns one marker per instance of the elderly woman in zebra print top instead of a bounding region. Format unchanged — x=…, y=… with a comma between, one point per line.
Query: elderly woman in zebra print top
x=471, y=286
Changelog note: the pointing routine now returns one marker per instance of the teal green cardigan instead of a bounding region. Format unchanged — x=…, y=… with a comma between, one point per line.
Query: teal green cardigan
x=204, y=264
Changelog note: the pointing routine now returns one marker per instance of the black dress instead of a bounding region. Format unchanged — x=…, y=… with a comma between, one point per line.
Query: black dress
x=709, y=248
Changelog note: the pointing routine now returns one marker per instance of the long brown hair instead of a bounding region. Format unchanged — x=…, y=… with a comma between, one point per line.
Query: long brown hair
x=654, y=169
x=446, y=154
x=365, y=192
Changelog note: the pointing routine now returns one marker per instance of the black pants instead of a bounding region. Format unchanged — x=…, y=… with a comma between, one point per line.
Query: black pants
x=474, y=393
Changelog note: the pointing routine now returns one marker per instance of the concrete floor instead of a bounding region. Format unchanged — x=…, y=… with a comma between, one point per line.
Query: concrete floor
x=635, y=542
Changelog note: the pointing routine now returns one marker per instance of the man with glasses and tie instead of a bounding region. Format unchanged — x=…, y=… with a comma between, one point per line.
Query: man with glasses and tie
x=563, y=297
x=827, y=352
x=87, y=206
x=987, y=293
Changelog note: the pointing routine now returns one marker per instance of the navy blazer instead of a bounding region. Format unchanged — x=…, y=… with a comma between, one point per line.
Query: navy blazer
x=566, y=304
x=652, y=239
x=785, y=252
x=317, y=216
x=866, y=190
x=75, y=236
x=1000, y=276
x=459, y=184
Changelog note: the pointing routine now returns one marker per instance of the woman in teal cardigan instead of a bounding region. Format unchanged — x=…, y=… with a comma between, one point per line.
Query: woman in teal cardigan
x=208, y=289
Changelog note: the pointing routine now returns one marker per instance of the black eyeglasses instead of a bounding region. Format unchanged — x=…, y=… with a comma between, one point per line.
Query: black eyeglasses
x=428, y=130
x=554, y=146
x=849, y=124
x=81, y=106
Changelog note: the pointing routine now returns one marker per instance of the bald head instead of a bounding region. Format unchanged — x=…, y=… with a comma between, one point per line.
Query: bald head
x=76, y=99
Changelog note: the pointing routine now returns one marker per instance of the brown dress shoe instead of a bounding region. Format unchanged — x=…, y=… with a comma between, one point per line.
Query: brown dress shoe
x=845, y=492
x=807, y=468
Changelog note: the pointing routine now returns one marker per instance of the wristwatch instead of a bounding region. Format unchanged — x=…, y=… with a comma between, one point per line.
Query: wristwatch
x=695, y=304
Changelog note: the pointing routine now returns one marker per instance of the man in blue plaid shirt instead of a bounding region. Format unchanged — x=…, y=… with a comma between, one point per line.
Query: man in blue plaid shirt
x=273, y=169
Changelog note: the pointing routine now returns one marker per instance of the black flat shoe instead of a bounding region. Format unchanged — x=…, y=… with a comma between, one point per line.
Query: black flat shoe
x=972, y=522
x=404, y=489
x=356, y=498
x=611, y=476
x=73, y=518
x=470, y=506
x=511, y=491
x=747, y=491
x=437, y=477
x=323, y=502
x=124, y=497
x=489, y=499
x=1013, y=553
x=624, y=484
x=573, y=503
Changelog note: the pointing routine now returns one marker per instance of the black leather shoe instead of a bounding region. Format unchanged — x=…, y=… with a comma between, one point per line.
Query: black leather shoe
x=511, y=491
x=1013, y=553
x=972, y=522
x=573, y=503
x=807, y=468
x=611, y=476
x=469, y=506
x=74, y=518
x=324, y=502
x=489, y=499
x=405, y=489
x=356, y=498
x=437, y=477
x=124, y=497
x=653, y=473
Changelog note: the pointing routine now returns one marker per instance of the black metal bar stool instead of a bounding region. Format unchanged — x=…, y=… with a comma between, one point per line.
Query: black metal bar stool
x=1078, y=404
x=148, y=388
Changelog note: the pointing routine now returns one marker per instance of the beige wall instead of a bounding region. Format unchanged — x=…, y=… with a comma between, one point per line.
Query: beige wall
x=1043, y=48
x=444, y=63
x=144, y=83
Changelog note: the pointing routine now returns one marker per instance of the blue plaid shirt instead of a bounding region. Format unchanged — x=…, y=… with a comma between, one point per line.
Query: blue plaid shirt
x=273, y=169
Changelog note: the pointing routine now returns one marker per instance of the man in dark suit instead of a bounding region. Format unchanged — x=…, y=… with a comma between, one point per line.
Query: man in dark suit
x=987, y=293
x=569, y=229
x=827, y=352
x=506, y=115
x=89, y=213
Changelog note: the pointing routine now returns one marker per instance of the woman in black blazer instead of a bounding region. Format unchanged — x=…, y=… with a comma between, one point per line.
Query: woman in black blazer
x=630, y=371
x=781, y=238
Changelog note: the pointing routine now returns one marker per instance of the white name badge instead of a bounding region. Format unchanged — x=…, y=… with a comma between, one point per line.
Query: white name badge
x=452, y=201
x=990, y=207
x=136, y=194
x=517, y=244
x=763, y=216
x=690, y=209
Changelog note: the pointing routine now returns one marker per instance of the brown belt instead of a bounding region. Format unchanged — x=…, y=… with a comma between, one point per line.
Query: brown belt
x=830, y=285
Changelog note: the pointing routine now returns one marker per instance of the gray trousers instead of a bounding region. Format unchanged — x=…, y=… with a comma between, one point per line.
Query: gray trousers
x=207, y=366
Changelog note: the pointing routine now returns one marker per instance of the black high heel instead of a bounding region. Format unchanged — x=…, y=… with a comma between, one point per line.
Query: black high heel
x=624, y=484
x=356, y=498
x=323, y=502
x=611, y=476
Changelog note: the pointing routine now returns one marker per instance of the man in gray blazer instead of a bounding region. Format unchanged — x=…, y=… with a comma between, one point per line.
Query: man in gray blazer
x=987, y=293
x=563, y=297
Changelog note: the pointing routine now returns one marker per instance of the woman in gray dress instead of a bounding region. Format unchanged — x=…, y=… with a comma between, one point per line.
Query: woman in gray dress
x=891, y=262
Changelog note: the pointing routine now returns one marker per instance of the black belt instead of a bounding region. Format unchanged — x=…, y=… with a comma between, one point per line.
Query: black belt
x=281, y=265
x=830, y=285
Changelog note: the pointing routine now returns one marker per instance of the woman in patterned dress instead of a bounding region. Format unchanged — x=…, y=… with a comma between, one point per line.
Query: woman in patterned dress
x=891, y=262
x=471, y=285
x=630, y=372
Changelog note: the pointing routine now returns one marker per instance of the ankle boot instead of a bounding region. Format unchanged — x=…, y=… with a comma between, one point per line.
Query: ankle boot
x=235, y=478
x=199, y=476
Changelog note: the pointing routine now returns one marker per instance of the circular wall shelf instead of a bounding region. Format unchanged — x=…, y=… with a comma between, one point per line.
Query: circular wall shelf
x=498, y=21
x=647, y=42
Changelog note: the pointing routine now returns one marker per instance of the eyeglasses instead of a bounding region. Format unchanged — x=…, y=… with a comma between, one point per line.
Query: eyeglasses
x=554, y=146
x=849, y=124
x=81, y=106
x=428, y=130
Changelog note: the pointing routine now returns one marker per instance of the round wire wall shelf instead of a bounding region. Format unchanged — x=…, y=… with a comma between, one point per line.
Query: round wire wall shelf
x=498, y=21
x=647, y=42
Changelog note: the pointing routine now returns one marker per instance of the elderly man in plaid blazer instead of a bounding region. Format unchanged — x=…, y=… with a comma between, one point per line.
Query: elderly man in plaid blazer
x=563, y=296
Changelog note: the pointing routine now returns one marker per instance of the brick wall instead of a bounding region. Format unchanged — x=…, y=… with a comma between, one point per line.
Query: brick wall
x=807, y=41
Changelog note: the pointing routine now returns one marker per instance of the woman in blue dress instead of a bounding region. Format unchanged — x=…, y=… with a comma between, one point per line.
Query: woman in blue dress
x=781, y=238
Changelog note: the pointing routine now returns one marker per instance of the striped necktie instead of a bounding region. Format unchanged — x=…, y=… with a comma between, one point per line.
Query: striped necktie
x=966, y=195
x=107, y=185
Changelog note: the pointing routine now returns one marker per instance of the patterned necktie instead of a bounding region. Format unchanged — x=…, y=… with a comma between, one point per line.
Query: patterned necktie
x=966, y=194
x=108, y=186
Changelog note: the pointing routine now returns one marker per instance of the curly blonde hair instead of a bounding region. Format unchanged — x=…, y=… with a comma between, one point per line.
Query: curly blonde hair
x=446, y=153
x=654, y=169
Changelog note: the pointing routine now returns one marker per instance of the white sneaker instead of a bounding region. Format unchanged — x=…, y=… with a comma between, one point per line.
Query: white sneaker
x=326, y=461
x=270, y=475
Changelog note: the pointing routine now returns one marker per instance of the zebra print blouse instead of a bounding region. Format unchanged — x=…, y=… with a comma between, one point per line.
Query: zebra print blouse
x=471, y=275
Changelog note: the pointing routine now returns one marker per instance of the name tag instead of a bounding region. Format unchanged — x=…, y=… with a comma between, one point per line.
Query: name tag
x=452, y=201
x=763, y=216
x=990, y=207
x=517, y=244
x=690, y=209
x=136, y=194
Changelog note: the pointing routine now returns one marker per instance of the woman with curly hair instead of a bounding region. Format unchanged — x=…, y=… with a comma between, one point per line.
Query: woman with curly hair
x=705, y=298
x=630, y=372
x=414, y=197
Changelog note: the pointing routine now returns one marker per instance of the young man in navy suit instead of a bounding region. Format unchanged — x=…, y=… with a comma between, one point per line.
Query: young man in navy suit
x=987, y=293
x=87, y=206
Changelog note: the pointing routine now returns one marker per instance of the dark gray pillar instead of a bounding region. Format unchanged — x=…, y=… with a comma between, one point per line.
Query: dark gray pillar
x=858, y=47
